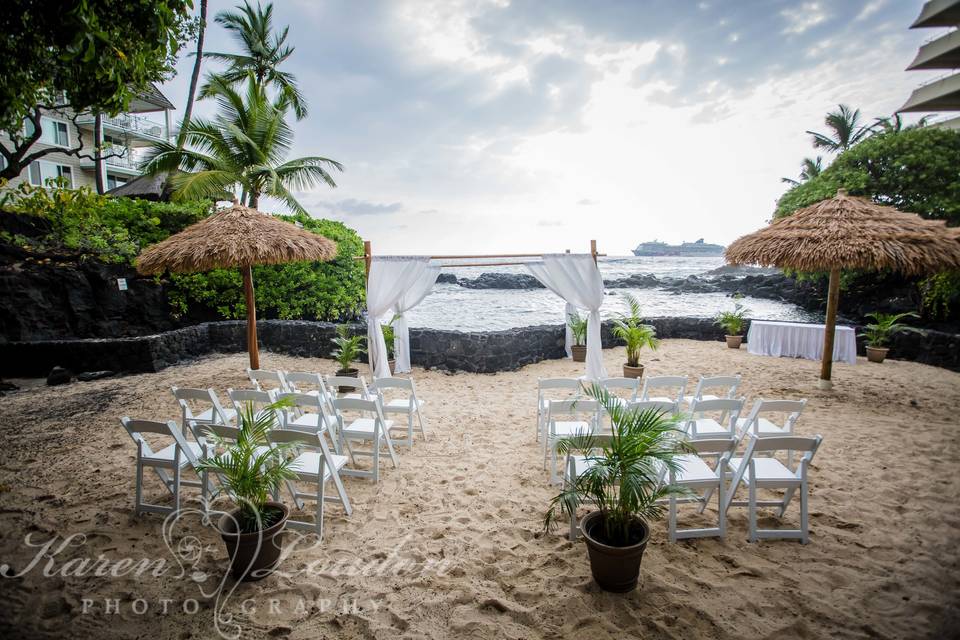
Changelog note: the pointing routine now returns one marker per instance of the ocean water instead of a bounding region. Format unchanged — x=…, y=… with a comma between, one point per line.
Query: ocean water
x=450, y=306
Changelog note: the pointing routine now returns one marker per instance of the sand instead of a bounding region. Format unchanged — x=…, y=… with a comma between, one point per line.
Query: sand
x=450, y=545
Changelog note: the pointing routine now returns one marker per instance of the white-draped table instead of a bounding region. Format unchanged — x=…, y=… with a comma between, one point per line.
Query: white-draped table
x=799, y=340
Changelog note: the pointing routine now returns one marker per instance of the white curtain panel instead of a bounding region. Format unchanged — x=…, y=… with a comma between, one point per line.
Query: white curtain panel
x=410, y=298
x=390, y=278
x=576, y=279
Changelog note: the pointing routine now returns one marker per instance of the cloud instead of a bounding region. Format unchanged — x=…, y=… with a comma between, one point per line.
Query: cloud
x=550, y=223
x=806, y=16
x=586, y=202
x=354, y=207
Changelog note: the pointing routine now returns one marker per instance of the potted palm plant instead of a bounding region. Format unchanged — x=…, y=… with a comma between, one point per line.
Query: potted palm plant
x=623, y=480
x=884, y=327
x=732, y=323
x=636, y=335
x=251, y=470
x=349, y=348
x=578, y=327
x=390, y=338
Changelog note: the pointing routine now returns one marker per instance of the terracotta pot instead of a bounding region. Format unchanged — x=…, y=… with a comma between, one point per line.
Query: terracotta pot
x=253, y=556
x=347, y=373
x=633, y=372
x=734, y=342
x=393, y=365
x=579, y=352
x=615, y=569
x=876, y=354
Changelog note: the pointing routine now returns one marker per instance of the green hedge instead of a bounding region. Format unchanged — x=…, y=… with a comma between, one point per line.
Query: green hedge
x=298, y=291
x=116, y=229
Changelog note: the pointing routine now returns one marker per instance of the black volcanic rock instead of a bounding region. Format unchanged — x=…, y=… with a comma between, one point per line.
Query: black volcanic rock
x=635, y=281
x=446, y=278
x=501, y=281
x=58, y=375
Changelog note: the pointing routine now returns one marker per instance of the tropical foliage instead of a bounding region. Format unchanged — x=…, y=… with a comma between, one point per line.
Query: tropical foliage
x=809, y=168
x=732, y=321
x=578, y=328
x=390, y=336
x=251, y=469
x=245, y=145
x=261, y=53
x=913, y=170
x=349, y=347
x=91, y=56
x=80, y=222
x=845, y=130
x=298, y=291
x=623, y=476
x=886, y=325
x=630, y=328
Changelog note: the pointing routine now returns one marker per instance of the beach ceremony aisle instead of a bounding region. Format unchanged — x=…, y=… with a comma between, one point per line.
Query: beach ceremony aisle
x=451, y=545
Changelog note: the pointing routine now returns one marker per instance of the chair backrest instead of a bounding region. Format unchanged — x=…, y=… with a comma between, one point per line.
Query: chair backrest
x=358, y=384
x=713, y=446
x=785, y=443
x=307, y=408
x=201, y=400
x=726, y=385
x=362, y=405
x=665, y=382
x=653, y=405
x=572, y=384
x=303, y=381
x=770, y=410
x=630, y=385
x=222, y=431
x=136, y=429
x=259, y=400
x=578, y=408
x=725, y=411
x=308, y=441
x=265, y=380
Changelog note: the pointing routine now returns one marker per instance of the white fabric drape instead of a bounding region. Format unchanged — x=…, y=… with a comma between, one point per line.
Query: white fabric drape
x=389, y=280
x=576, y=279
x=410, y=298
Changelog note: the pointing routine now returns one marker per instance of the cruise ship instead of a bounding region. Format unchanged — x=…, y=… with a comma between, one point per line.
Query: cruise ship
x=698, y=248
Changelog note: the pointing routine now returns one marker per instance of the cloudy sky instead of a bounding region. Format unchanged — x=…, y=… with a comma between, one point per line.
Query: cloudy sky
x=495, y=125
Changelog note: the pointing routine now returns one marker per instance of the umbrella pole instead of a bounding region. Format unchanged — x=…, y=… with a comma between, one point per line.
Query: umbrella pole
x=251, y=317
x=830, y=329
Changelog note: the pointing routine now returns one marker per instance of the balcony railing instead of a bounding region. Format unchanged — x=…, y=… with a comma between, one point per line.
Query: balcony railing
x=129, y=122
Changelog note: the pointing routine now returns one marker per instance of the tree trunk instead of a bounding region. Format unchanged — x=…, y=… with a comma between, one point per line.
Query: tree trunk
x=254, y=200
x=252, y=347
x=195, y=77
x=830, y=329
x=98, y=152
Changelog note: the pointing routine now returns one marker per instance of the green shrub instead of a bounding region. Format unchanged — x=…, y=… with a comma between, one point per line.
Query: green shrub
x=297, y=291
x=107, y=228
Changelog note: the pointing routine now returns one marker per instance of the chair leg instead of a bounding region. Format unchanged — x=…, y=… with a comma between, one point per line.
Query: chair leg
x=672, y=519
x=804, y=524
x=176, y=487
x=722, y=523
x=320, y=491
x=410, y=429
x=139, y=493
x=752, y=508
x=706, y=498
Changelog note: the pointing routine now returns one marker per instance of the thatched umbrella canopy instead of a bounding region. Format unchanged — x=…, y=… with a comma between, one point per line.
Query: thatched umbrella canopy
x=236, y=237
x=846, y=232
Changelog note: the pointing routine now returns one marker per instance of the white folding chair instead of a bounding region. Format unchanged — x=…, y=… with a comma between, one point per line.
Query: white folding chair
x=696, y=475
x=349, y=387
x=374, y=429
x=259, y=399
x=575, y=465
x=566, y=418
x=759, y=472
x=408, y=404
x=762, y=421
x=309, y=414
x=264, y=380
x=717, y=418
x=546, y=387
x=168, y=463
x=653, y=389
x=304, y=382
x=314, y=464
x=721, y=386
x=663, y=406
x=202, y=406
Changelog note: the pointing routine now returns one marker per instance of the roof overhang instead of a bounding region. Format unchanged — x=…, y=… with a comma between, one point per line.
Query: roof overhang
x=938, y=13
x=150, y=99
x=942, y=95
x=942, y=53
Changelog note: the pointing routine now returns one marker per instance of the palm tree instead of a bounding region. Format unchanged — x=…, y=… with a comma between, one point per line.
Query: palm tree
x=894, y=124
x=809, y=168
x=844, y=124
x=244, y=145
x=262, y=53
x=195, y=76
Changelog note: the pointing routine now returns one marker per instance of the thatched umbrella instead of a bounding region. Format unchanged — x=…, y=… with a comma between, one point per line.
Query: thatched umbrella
x=846, y=232
x=236, y=237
